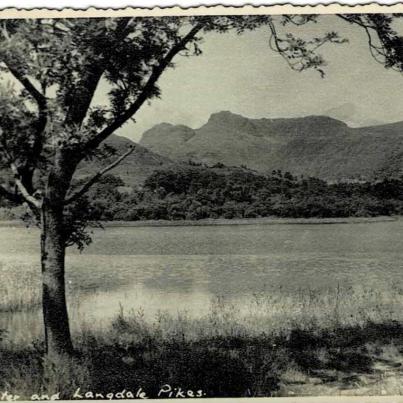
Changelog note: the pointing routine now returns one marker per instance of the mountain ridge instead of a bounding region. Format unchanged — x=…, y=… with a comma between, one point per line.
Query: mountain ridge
x=314, y=145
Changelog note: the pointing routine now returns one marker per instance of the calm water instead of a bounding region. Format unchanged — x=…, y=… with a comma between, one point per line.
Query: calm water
x=182, y=268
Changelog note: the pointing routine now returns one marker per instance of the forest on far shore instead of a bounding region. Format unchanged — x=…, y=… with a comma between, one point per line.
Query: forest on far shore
x=196, y=192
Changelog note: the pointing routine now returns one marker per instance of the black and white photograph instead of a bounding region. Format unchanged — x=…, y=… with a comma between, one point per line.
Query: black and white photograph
x=201, y=203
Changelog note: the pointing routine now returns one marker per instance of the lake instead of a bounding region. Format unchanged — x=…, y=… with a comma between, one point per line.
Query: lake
x=182, y=268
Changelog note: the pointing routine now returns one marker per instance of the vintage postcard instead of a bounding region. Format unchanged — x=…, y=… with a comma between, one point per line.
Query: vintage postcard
x=202, y=203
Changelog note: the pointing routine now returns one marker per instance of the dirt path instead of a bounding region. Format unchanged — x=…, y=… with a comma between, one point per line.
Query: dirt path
x=385, y=378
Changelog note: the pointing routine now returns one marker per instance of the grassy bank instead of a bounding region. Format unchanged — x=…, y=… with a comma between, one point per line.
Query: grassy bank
x=232, y=221
x=248, y=221
x=335, y=341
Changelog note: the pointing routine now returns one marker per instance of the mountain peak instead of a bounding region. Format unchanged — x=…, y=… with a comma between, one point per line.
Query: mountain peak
x=163, y=125
x=324, y=119
x=225, y=116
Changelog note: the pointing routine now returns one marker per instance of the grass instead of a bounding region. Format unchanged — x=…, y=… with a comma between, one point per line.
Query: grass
x=343, y=340
x=20, y=288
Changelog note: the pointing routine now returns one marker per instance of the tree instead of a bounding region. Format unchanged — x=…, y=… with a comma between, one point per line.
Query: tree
x=49, y=125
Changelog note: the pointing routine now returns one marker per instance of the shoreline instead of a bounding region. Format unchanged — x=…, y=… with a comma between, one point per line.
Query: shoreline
x=226, y=221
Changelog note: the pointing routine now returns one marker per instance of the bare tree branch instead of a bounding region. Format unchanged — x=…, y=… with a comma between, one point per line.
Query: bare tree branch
x=148, y=87
x=277, y=47
x=28, y=85
x=31, y=200
x=97, y=176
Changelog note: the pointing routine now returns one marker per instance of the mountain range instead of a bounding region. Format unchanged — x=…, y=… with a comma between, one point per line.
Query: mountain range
x=317, y=146
x=314, y=145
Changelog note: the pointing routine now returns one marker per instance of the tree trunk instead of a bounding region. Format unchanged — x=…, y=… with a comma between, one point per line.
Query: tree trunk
x=53, y=250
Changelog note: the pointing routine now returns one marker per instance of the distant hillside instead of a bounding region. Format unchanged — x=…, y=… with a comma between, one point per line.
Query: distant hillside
x=314, y=145
x=134, y=169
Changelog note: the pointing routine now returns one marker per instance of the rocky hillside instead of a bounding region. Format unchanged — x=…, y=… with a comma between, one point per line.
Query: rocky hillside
x=314, y=145
x=134, y=169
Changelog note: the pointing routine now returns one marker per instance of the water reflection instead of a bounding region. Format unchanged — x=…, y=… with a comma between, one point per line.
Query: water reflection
x=182, y=269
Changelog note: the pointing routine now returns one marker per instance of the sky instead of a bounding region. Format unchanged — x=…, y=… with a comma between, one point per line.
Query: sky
x=242, y=75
